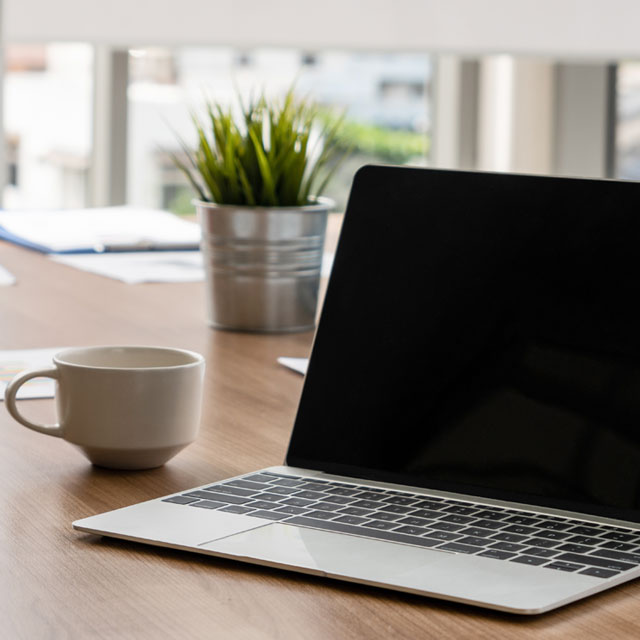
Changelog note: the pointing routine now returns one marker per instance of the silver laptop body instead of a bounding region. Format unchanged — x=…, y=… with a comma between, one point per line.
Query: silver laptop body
x=468, y=424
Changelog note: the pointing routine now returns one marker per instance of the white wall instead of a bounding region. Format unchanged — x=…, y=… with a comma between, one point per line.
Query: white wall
x=560, y=28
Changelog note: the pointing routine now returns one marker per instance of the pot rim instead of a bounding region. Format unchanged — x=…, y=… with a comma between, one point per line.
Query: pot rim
x=318, y=203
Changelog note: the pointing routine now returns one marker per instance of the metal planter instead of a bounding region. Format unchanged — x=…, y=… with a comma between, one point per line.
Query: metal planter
x=262, y=265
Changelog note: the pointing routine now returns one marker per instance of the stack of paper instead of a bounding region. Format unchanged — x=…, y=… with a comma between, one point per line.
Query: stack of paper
x=98, y=230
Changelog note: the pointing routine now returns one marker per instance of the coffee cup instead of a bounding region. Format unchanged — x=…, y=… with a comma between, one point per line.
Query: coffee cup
x=124, y=407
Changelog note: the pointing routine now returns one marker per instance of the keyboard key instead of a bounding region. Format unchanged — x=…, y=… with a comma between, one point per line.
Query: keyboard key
x=463, y=511
x=552, y=535
x=261, y=504
x=429, y=504
x=322, y=515
x=341, y=527
x=526, y=520
x=386, y=516
x=381, y=524
x=325, y=506
x=343, y=491
x=443, y=535
x=351, y=519
x=543, y=542
x=207, y=504
x=620, y=537
x=246, y=484
x=563, y=566
x=236, y=508
x=259, y=477
x=533, y=560
x=619, y=546
x=287, y=483
x=542, y=553
x=492, y=515
x=180, y=500
x=294, y=511
x=574, y=548
x=337, y=499
x=488, y=524
x=412, y=531
x=634, y=558
x=508, y=546
x=457, y=519
x=368, y=495
x=553, y=525
x=366, y=504
x=496, y=555
x=312, y=486
x=415, y=522
x=396, y=508
x=355, y=511
x=459, y=548
x=447, y=526
x=585, y=531
x=220, y=497
x=596, y=572
x=271, y=497
x=474, y=540
x=271, y=515
x=604, y=563
x=296, y=502
x=402, y=500
x=425, y=513
x=508, y=537
x=585, y=540
x=520, y=528
x=310, y=495
x=283, y=491
x=477, y=531
x=236, y=491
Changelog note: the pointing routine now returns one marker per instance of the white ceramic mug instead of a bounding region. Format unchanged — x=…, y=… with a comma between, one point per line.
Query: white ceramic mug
x=125, y=407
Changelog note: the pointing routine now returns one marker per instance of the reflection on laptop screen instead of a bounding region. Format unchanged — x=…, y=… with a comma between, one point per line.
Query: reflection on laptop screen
x=480, y=334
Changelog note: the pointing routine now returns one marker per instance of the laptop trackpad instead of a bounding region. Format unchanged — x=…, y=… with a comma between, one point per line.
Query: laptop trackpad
x=327, y=553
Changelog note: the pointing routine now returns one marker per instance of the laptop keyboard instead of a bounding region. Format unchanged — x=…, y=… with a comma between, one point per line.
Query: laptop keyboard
x=501, y=533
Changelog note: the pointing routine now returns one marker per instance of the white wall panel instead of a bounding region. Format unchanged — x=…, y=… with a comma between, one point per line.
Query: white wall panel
x=564, y=28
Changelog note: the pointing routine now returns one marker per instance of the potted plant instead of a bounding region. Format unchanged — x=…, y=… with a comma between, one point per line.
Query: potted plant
x=258, y=175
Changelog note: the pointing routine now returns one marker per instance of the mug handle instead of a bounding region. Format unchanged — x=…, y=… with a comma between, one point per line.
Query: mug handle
x=10, y=400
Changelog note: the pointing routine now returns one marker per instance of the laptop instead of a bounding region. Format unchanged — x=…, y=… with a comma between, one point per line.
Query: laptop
x=469, y=425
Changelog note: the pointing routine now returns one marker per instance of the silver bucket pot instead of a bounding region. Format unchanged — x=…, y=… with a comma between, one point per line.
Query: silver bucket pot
x=262, y=265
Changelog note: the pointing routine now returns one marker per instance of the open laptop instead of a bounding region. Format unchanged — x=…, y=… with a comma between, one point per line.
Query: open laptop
x=469, y=426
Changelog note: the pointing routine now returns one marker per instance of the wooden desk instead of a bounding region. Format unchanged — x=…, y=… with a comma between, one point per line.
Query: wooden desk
x=57, y=583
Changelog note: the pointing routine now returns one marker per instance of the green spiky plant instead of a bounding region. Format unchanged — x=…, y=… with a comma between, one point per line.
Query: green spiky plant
x=264, y=157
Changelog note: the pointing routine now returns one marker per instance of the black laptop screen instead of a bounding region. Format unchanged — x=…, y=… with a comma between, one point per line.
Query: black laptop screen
x=481, y=334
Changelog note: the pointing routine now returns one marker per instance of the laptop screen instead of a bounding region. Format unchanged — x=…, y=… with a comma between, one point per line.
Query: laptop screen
x=481, y=334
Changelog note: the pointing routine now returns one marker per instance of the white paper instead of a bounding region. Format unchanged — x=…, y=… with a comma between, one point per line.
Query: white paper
x=297, y=364
x=13, y=361
x=6, y=277
x=101, y=228
x=135, y=267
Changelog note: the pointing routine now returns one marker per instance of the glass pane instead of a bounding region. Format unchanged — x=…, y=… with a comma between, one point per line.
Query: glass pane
x=48, y=113
x=627, y=151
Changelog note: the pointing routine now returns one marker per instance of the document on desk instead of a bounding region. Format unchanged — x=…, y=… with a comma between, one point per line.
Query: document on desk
x=98, y=230
x=136, y=267
x=13, y=361
x=6, y=277
x=296, y=364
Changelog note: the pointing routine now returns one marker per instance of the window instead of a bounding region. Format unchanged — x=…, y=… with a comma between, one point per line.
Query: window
x=385, y=98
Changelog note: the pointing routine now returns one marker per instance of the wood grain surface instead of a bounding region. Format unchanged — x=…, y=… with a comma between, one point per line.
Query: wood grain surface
x=58, y=583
